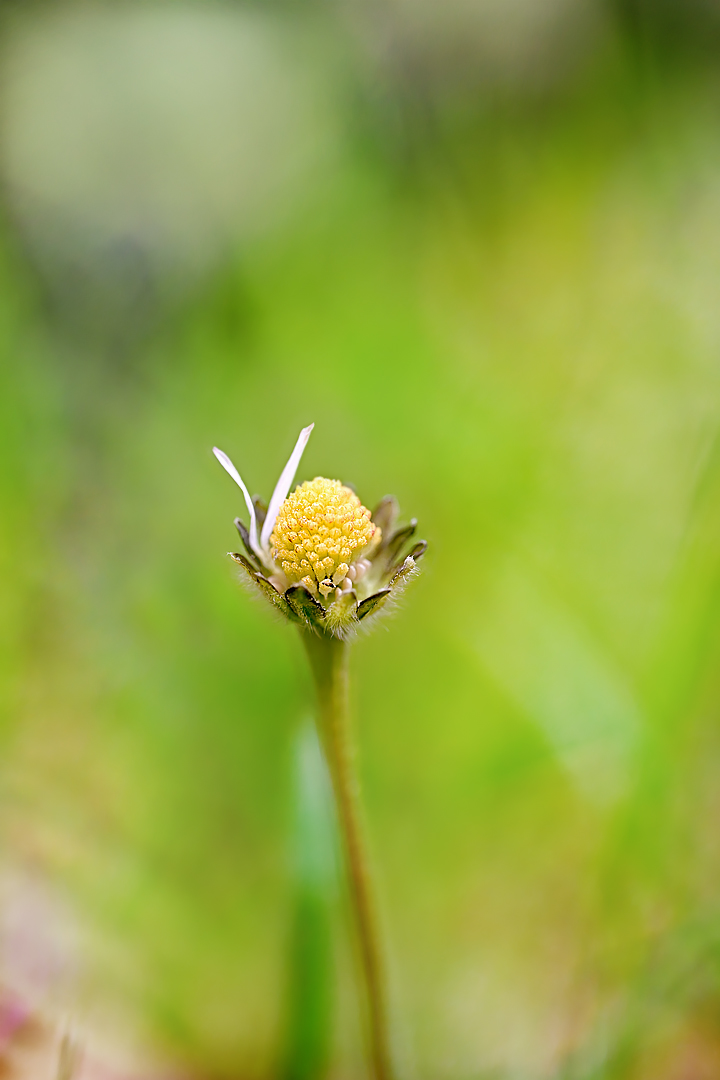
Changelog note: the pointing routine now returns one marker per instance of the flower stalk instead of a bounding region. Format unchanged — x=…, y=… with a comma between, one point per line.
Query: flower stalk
x=331, y=566
x=328, y=656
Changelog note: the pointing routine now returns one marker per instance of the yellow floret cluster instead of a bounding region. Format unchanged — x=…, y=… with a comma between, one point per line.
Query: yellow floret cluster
x=318, y=531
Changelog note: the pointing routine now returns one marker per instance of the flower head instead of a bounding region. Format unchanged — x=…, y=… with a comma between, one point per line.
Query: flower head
x=318, y=554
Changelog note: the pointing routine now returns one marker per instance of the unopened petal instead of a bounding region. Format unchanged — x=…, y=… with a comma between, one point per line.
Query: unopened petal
x=232, y=471
x=282, y=487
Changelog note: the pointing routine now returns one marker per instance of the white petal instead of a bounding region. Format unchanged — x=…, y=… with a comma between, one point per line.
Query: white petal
x=230, y=468
x=282, y=487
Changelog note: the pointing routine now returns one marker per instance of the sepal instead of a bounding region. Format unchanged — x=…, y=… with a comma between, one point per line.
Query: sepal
x=342, y=614
x=397, y=542
x=373, y=603
x=386, y=513
x=406, y=570
x=266, y=587
x=304, y=606
x=271, y=593
x=418, y=550
x=245, y=563
x=245, y=537
x=415, y=553
x=260, y=511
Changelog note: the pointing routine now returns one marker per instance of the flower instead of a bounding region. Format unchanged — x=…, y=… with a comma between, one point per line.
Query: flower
x=320, y=556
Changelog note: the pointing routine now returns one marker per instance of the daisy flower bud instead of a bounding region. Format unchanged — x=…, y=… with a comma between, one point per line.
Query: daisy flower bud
x=318, y=554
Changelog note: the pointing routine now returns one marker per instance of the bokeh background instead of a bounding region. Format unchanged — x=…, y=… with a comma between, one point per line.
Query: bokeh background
x=478, y=243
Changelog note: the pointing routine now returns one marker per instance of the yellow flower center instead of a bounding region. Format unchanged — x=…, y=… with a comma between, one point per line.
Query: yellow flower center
x=319, y=529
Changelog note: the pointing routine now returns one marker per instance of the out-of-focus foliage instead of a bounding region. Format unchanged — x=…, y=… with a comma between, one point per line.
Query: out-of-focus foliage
x=487, y=268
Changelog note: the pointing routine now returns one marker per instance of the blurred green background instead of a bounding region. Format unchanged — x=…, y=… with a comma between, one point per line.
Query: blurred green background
x=479, y=245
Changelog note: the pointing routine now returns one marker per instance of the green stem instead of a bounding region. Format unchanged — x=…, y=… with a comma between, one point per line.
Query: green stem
x=329, y=662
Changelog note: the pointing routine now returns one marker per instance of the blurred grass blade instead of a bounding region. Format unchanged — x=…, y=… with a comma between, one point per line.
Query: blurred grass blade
x=309, y=1010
